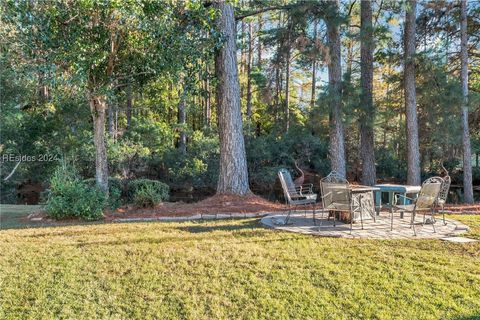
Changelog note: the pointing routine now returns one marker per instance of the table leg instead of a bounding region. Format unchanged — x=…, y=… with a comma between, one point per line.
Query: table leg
x=390, y=200
x=371, y=206
x=404, y=199
x=378, y=201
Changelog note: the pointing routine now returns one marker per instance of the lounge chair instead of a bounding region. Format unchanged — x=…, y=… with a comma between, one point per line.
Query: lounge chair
x=296, y=195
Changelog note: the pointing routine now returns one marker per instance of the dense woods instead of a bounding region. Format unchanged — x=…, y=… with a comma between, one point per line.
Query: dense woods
x=217, y=96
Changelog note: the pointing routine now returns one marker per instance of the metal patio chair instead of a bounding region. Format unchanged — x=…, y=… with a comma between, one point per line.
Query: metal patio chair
x=443, y=195
x=337, y=197
x=425, y=202
x=296, y=195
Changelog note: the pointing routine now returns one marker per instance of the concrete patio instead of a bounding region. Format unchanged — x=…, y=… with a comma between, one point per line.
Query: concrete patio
x=371, y=230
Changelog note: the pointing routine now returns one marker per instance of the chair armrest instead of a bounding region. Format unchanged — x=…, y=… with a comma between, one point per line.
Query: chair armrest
x=307, y=188
x=326, y=195
x=396, y=196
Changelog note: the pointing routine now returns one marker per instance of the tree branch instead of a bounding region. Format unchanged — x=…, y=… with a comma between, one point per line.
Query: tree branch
x=252, y=13
x=351, y=7
x=378, y=14
x=13, y=171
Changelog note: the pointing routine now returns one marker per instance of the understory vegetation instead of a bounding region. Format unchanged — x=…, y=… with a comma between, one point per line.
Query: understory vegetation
x=71, y=197
x=135, y=84
x=147, y=193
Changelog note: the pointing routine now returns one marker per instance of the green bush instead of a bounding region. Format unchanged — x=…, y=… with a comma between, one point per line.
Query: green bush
x=8, y=192
x=147, y=193
x=70, y=197
x=268, y=153
x=116, y=189
x=198, y=168
x=389, y=166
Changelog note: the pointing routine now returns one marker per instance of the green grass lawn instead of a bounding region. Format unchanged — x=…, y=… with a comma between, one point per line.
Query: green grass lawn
x=13, y=216
x=232, y=269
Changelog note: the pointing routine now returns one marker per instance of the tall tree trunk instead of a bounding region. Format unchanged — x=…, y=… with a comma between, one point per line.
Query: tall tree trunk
x=313, y=96
x=98, y=107
x=259, y=41
x=467, y=151
x=249, y=73
x=337, y=140
x=349, y=61
x=243, y=63
x=287, y=89
x=116, y=123
x=129, y=105
x=413, y=152
x=276, y=99
x=43, y=90
x=182, y=120
x=208, y=108
x=278, y=75
x=193, y=117
x=233, y=177
x=280, y=96
x=287, y=77
x=243, y=57
x=367, y=150
x=111, y=121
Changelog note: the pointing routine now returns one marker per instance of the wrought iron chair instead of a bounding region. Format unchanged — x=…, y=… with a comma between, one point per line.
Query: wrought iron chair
x=296, y=195
x=442, y=196
x=427, y=197
x=337, y=197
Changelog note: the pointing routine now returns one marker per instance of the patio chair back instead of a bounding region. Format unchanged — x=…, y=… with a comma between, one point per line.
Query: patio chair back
x=429, y=192
x=443, y=194
x=336, y=194
x=289, y=190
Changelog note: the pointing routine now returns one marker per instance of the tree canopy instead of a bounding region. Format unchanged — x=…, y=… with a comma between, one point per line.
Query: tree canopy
x=128, y=89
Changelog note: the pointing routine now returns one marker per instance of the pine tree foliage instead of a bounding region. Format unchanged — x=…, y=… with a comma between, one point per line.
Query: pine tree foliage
x=149, y=68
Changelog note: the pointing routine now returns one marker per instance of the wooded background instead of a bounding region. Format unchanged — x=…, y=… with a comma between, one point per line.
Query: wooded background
x=218, y=96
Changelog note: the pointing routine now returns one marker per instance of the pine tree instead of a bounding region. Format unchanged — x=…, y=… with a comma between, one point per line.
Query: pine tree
x=233, y=175
x=413, y=152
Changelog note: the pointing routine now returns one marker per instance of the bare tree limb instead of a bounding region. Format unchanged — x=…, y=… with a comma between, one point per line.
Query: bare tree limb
x=378, y=14
x=13, y=171
x=351, y=7
x=266, y=9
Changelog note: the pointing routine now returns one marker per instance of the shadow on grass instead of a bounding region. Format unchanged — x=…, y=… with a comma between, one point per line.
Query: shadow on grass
x=177, y=239
x=183, y=241
x=200, y=226
x=251, y=231
x=249, y=224
x=474, y=317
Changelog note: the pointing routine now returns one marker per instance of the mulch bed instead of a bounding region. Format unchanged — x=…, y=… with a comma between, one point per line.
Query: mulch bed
x=463, y=208
x=217, y=204
x=229, y=204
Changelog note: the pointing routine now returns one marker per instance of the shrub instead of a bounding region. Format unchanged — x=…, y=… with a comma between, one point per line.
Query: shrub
x=8, y=192
x=268, y=153
x=198, y=168
x=147, y=193
x=389, y=166
x=116, y=189
x=69, y=197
